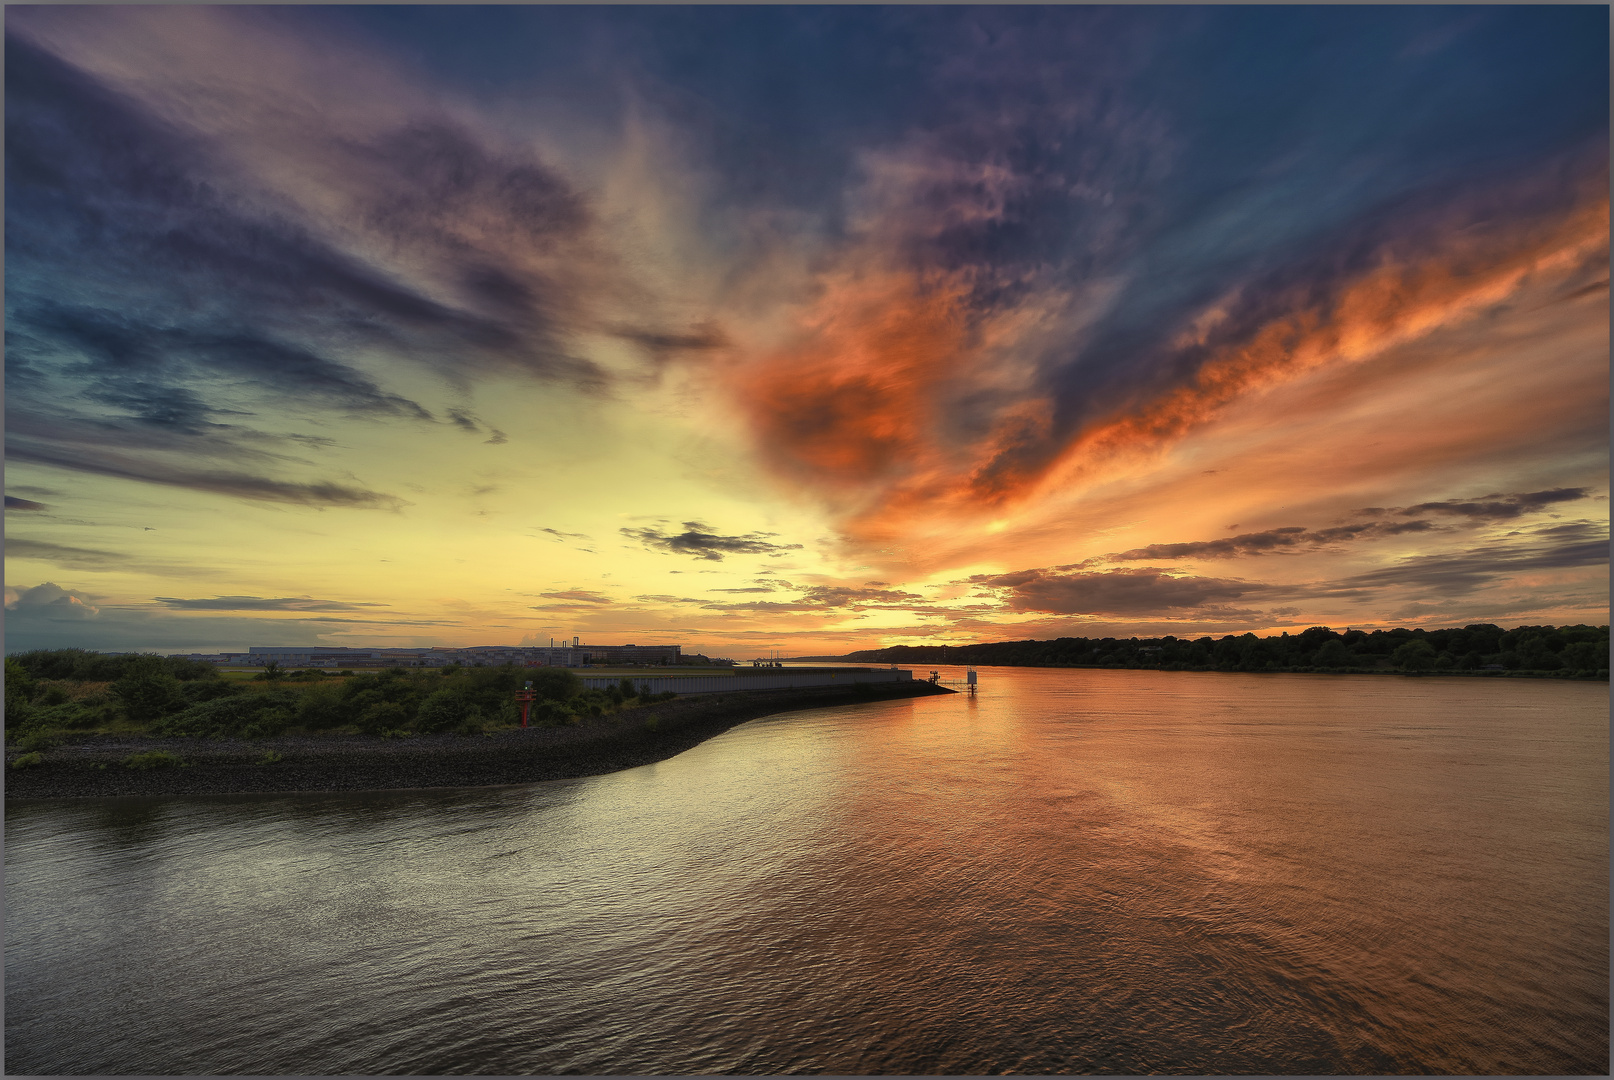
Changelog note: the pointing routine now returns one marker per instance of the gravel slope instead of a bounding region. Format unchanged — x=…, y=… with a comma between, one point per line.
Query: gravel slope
x=93, y=766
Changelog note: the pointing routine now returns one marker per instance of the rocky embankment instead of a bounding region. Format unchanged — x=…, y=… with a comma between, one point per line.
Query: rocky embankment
x=95, y=765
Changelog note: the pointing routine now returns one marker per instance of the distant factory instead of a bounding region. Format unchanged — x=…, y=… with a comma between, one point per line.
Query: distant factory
x=570, y=655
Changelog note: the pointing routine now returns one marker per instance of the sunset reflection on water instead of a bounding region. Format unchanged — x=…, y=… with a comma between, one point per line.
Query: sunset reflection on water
x=1074, y=871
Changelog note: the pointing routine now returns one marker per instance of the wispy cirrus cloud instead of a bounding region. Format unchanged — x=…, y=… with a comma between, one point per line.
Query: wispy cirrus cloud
x=195, y=246
x=260, y=603
x=1156, y=592
x=1494, y=507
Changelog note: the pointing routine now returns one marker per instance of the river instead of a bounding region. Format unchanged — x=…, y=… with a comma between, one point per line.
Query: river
x=1074, y=871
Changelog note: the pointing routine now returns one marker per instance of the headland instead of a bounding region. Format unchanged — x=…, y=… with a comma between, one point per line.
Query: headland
x=93, y=766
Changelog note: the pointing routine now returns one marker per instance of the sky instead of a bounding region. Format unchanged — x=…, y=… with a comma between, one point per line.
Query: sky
x=800, y=330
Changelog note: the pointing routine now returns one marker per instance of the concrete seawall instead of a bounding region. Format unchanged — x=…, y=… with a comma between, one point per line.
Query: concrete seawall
x=757, y=679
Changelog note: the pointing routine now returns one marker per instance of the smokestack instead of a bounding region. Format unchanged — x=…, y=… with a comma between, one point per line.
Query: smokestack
x=574, y=642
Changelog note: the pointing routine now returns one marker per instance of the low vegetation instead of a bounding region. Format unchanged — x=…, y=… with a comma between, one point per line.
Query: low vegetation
x=50, y=694
x=1480, y=648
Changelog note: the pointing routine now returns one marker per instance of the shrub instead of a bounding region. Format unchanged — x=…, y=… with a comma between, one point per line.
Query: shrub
x=322, y=707
x=19, y=684
x=40, y=740
x=270, y=758
x=383, y=717
x=249, y=715
x=147, y=690
x=28, y=761
x=552, y=714
x=553, y=684
x=448, y=708
x=200, y=690
x=75, y=715
x=153, y=759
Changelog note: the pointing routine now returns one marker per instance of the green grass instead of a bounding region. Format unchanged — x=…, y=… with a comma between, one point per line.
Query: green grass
x=28, y=761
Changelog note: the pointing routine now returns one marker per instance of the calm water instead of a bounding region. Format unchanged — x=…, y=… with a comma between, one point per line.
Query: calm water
x=1099, y=871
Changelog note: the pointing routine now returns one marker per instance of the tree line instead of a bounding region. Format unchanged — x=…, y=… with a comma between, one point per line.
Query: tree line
x=1480, y=648
x=50, y=692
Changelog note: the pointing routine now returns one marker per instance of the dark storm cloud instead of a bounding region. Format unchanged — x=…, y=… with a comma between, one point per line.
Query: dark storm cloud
x=699, y=541
x=259, y=603
x=14, y=503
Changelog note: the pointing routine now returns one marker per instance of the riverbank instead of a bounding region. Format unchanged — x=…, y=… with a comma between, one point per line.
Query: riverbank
x=95, y=766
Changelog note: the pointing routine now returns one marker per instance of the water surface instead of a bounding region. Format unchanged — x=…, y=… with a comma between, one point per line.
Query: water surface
x=1076, y=871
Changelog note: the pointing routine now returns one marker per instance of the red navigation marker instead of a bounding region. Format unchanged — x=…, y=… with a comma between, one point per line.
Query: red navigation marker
x=525, y=696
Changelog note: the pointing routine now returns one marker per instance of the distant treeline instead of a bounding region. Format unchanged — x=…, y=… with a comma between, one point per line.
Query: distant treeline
x=1562, y=651
x=65, y=690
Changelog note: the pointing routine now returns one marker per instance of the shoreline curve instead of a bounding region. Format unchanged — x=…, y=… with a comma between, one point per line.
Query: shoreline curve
x=93, y=767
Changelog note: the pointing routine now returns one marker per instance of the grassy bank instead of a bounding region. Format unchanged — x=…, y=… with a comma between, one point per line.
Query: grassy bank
x=100, y=764
x=50, y=694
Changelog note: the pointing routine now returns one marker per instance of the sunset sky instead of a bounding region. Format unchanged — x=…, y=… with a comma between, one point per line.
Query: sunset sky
x=801, y=329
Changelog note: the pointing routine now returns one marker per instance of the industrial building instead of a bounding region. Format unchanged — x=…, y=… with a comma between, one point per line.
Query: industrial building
x=575, y=654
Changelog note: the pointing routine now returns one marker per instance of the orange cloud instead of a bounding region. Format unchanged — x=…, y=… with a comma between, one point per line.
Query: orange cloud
x=892, y=405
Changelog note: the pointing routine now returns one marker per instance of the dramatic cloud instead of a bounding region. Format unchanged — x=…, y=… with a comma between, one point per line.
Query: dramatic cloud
x=239, y=485
x=258, y=603
x=1139, y=592
x=1489, y=507
x=193, y=243
x=1063, y=283
x=1016, y=287
x=1288, y=540
x=50, y=600
x=1565, y=547
x=698, y=540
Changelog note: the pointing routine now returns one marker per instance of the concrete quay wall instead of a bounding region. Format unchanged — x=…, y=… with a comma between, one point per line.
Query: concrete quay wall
x=777, y=679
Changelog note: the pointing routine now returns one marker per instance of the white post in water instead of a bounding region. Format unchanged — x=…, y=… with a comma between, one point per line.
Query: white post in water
x=969, y=679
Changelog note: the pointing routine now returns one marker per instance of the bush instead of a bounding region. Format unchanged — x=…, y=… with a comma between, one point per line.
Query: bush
x=200, y=690
x=322, y=707
x=153, y=759
x=553, y=684
x=39, y=740
x=148, y=691
x=553, y=714
x=28, y=761
x=249, y=715
x=73, y=715
x=449, y=708
x=19, y=684
x=383, y=717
